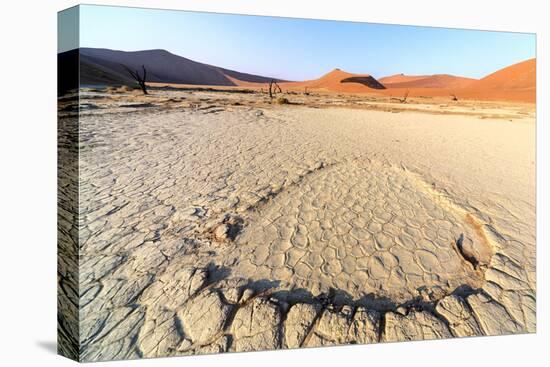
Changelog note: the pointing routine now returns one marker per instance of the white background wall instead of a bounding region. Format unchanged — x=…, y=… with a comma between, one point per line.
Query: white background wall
x=28, y=181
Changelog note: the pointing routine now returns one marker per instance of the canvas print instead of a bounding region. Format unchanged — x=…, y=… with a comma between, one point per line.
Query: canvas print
x=233, y=183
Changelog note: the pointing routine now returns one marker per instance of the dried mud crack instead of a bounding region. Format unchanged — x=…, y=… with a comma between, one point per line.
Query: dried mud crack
x=253, y=227
x=364, y=228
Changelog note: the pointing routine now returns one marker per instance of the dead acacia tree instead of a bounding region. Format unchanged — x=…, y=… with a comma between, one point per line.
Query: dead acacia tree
x=404, y=99
x=274, y=88
x=140, y=79
x=306, y=92
x=400, y=100
x=454, y=97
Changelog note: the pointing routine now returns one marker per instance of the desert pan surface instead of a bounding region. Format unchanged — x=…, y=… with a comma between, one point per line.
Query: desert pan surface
x=217, y=219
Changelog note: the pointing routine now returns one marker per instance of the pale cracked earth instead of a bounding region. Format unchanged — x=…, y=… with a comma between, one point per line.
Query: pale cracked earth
x=240, y=227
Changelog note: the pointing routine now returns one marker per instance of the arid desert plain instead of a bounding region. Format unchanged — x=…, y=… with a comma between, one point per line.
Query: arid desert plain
x=218, y=220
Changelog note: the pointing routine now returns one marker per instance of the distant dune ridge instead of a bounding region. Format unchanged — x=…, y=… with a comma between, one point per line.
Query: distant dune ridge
x=104, y=67
x=426, y=81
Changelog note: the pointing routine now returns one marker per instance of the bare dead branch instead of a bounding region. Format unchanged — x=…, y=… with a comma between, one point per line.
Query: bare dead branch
x=404, y=99
x=140, y=79
x=274, y=88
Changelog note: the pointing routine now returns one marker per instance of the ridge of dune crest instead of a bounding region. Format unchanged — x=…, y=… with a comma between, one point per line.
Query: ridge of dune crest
x=426, y=81
x=516, y=82
x=517, y=76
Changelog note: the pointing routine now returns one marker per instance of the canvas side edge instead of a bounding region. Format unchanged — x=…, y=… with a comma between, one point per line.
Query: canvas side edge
x=68, y=295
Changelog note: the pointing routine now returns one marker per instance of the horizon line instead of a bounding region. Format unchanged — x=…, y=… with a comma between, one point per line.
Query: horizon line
x=289, y=80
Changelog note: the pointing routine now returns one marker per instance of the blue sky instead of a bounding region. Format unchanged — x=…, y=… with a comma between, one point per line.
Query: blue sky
x=300, y=49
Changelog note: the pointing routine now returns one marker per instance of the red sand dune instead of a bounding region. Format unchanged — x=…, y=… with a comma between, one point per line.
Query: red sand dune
x=400, y=78
x=426, y=81
x=339, y=81
x=514, y=83
x=104, y=67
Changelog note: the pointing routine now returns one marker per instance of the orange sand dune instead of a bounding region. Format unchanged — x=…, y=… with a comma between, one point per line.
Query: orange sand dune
x=519, y=76
x=426, y=81
x=339, y=81
x=515, y=83
x=334, y=81
x=400, y=78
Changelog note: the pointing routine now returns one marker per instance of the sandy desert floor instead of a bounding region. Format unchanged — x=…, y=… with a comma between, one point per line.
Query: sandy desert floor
x=214, y=221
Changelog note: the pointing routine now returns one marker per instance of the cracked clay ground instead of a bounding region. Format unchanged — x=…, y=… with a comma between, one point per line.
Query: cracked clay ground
x=241, y=227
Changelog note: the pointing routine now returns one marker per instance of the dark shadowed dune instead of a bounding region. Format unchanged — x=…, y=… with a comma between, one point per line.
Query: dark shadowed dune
x=161, y=65
x=100, y=72
x=368, y=81
x=251, y=78
x=67, y=71
x=104, y=66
